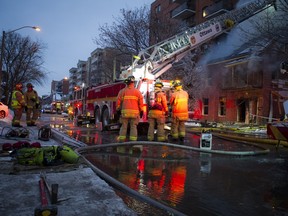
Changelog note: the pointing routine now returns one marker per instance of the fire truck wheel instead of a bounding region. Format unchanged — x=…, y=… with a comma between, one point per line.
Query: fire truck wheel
x=97, y=116
x=105, y=118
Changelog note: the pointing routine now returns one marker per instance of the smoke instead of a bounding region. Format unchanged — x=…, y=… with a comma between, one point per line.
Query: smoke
x=234, y=40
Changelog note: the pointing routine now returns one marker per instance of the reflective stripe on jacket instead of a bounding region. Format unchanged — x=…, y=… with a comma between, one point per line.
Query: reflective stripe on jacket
x=179, y=103
x=17, y=99
x=130, y=101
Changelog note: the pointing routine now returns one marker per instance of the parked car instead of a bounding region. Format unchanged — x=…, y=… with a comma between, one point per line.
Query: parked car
x=46, y=108
x=4, y=111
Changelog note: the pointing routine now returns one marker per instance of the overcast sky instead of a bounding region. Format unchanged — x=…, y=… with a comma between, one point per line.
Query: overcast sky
x=67, y=28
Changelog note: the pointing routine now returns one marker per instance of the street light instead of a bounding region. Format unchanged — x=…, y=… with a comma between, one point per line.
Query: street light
x=36, y=28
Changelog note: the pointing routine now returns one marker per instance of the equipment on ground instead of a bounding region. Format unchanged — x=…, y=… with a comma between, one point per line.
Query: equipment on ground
x=45, y=156
x=84, y=120
x=11, y=132
x=44, y=133
x=206, y=140
x=45, y=208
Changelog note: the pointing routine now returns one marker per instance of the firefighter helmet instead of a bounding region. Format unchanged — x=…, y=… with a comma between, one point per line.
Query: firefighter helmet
x=176, y=83
x=29, y=85
x=19, y=86
x=129, y=80
x=158, y=84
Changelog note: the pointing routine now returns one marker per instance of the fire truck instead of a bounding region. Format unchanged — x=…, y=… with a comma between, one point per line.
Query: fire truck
x=153, y=61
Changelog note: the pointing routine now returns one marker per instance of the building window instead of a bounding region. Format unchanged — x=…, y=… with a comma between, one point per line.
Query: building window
x=222, y=106
x=158, y=9
x=205, y=106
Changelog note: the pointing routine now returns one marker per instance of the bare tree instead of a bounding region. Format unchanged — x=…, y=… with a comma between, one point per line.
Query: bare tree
x=129, y=33
x=270, y=26
x=22, y=62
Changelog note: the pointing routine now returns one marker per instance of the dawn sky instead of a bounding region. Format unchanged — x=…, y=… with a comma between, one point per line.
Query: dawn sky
x=67, y=28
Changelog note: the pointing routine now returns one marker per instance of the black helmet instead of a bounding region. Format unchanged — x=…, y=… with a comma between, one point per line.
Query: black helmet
x=158, y=84
x=29, y=85
x=129, y=80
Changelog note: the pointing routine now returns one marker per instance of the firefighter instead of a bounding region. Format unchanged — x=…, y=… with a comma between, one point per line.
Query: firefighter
x=157, y=113
x=17, y=104
x=179, y=106
x=70, y=112
x=32, y=105
x=58, y=107
x=130, y=103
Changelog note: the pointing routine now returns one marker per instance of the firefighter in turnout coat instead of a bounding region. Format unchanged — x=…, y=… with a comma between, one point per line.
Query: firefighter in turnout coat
x=179, y=105
x=17, y=104
x=130, y=103
x=32, y=105
x=157, y=113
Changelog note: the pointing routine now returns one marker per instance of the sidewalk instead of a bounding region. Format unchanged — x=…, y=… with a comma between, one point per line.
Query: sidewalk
x=82, y=191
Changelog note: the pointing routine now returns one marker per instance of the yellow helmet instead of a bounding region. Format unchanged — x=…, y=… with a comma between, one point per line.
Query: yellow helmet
x=176, y=83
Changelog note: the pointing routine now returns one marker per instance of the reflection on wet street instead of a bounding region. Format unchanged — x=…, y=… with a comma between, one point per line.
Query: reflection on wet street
x=194, y=183
x=199, y=183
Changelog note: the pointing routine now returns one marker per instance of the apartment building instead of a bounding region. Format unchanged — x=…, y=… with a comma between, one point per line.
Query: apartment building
x=102, y=66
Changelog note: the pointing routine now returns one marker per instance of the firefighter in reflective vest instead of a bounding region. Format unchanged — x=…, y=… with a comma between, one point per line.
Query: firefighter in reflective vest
x=17, y=104
x=130, y=103
x=179, y=105
x=70, y=112
x=157, y=112
x=32, y=105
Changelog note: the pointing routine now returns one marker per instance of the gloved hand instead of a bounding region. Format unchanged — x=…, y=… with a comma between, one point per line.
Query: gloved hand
x=119, y=112
x=26, y=108
x=117, y=115
x=37, y=105
x=141, y=114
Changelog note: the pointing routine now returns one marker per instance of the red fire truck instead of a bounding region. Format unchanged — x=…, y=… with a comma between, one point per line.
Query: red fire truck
x=152, y=62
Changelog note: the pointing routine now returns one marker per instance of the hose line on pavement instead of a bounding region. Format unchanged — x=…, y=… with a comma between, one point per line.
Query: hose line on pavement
x=237, y=153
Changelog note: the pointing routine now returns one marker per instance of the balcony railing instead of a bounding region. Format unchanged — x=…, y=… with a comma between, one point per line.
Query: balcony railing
x=218, y=9
x=184, y=11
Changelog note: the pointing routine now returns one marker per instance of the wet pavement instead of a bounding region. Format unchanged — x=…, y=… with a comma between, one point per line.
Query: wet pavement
x=192, y=182
x=189, y=181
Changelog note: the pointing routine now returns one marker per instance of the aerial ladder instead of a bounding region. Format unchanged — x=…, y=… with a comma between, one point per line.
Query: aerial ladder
x=153, y=61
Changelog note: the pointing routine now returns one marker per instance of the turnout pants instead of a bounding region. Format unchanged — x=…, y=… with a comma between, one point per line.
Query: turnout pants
x=35, y=113
x=133, y=122
x=177, y=128
x=17, y=116
x=160, y=121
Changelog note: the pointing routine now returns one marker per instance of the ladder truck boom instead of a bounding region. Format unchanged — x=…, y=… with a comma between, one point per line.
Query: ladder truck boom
x=157, y=59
